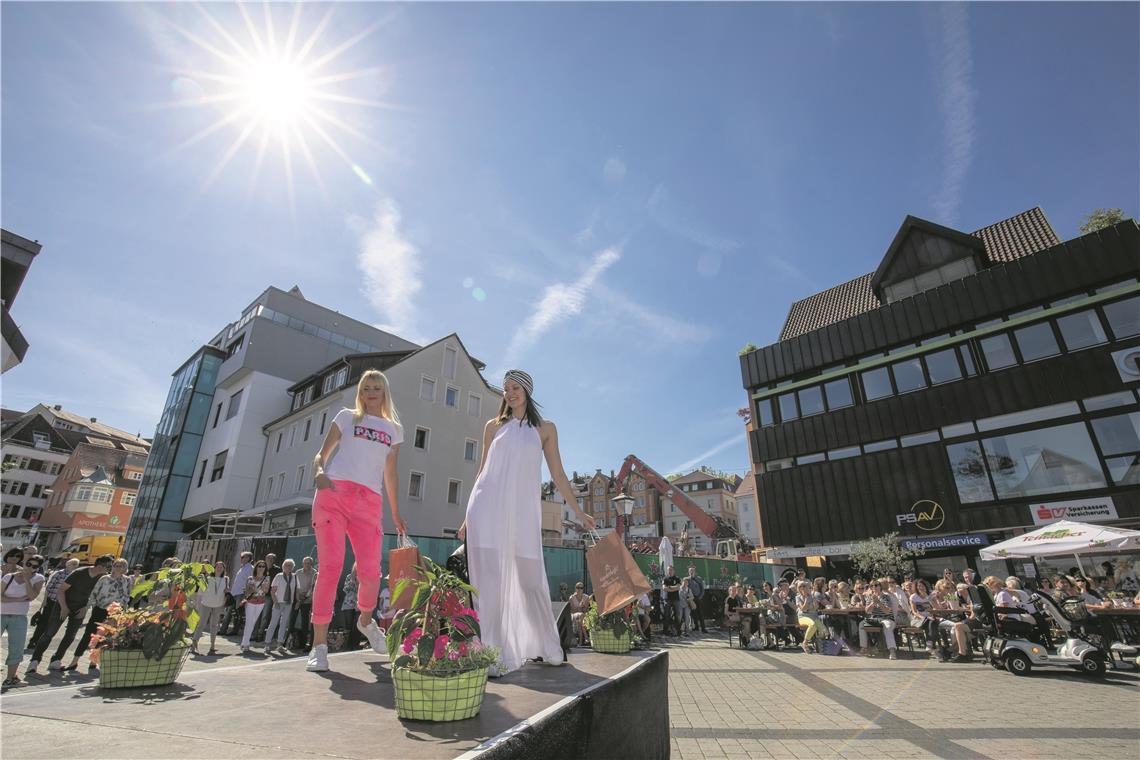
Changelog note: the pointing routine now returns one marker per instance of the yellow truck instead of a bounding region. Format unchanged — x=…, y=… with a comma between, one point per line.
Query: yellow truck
x=87, y=549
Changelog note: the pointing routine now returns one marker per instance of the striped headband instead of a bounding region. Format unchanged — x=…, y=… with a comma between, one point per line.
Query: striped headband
x=522, y=379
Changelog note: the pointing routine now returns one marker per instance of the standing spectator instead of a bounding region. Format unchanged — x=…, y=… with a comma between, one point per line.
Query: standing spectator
x=348, y=608
x=283, y=590
x=235, y=613
x=686, y=606
x=252, y=600
x=211, y=604
x=303, y=609
x=110, y=589
x=697, y=586
x=50, y=606
x=18, y=587
x=272, y=570
x=671, y=585
x=13, y=561
x=563, y=594
x=73, y=595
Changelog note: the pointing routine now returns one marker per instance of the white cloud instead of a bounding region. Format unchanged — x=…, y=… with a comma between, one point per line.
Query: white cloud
x=956, y=97
x=737, y=439
x=559, y=302
x=614, y=170
x=653, y=322
x=585, y=236
x=391, y=268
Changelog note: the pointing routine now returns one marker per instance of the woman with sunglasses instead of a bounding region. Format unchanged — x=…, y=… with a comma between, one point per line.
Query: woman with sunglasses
x=18, y=587
x=253, y=600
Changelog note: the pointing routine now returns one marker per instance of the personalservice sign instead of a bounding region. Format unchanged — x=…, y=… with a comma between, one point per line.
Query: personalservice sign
x=934, y=543
x=1077, y=510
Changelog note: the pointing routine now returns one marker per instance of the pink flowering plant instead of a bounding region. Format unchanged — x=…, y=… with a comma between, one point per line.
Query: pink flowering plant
x=439, y=632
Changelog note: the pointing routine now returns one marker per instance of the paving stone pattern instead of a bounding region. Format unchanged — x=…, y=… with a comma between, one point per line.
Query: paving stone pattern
x=729, y=703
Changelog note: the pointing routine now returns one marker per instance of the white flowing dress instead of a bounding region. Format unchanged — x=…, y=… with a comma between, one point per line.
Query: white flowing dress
x=504, y=550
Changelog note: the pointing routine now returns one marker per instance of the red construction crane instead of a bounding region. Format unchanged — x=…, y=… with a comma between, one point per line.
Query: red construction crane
x=711, y=525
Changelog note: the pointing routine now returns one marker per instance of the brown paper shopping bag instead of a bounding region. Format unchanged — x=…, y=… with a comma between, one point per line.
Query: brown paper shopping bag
x=403, y=562
x=616, y=577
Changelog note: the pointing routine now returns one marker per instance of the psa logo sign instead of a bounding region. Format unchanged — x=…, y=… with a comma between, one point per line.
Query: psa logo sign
x=924, y=515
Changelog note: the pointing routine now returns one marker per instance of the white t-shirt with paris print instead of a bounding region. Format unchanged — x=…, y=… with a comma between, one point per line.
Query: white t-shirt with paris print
x=363, y=449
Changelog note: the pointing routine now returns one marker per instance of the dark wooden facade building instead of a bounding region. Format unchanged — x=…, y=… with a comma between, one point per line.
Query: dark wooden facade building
x=968, y=385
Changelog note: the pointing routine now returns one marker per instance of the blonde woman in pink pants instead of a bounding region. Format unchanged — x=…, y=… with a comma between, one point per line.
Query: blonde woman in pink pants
x=358, y=458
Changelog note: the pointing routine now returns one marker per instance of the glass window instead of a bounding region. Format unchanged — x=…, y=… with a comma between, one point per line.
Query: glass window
x=788, y=407
x=871, y=448
x=453, y=491
x=943, y=366
x=1050, y=460
x=838, y=393
x=1026, y=416
x=1037, y=341
x=877, y=383
x=953, y=431
x=427, y=389
x=1119, y=434
x=908, y=375
x=810, y=458
x=776, y=464
x=969, y=471
x=1124, y=317
x=967, y=360
x=847, y=453
x=469, y=449
x=474, y=404
x=811, y=400
x=416, y=485
x=1081, y=330
x=998, y=351
x=764, y=410
x=1125, y=470
x=1108, y=401
x=421, y=439
x=451, y=397
x=917, y=439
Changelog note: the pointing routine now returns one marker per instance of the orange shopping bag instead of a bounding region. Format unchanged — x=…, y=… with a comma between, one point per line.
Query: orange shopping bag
x=616, y=577
x=403, y=562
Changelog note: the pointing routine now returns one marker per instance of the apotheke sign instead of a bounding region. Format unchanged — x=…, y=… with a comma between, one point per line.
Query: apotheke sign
x=1081, y=510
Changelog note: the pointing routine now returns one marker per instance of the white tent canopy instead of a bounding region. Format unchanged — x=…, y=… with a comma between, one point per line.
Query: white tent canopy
x=1065, y=537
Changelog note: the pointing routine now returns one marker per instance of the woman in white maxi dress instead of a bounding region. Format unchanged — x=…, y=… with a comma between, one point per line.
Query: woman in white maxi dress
x=503, y=530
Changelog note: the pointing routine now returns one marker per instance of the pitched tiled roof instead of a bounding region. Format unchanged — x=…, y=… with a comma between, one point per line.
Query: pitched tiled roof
x=1020, y=235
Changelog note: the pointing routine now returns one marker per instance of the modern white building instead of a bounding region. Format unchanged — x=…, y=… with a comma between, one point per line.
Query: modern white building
x=443, y=402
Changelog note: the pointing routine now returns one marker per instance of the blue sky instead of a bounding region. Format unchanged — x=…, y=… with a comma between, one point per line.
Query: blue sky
x=636, y=191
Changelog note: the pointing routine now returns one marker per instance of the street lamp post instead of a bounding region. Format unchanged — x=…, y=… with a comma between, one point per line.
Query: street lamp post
x=623, y=505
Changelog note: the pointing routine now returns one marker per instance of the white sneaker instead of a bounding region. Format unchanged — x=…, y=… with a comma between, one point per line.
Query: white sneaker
x=318, y=659
x=55, y=665
x=374, y=635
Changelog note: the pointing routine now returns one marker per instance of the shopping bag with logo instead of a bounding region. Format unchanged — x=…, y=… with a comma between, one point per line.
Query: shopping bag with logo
x=616, y=577
x=403, y=562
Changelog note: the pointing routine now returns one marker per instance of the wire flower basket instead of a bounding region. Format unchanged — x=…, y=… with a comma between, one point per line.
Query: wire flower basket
x=439, y=696
x=127, y=668
x=607, y=642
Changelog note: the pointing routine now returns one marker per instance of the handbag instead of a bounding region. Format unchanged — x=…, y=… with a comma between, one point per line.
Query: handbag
x=403, y=562
x=457, y=563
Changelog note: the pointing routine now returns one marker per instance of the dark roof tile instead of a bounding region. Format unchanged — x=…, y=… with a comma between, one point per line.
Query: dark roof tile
x=1008, y=240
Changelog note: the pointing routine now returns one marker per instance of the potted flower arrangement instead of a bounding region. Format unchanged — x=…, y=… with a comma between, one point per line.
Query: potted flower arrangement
x=439, y=665
x=148, y=646
x=613, y=633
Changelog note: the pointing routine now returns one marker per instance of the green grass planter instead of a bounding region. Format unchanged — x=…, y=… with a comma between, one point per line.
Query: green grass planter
x=607, y=643
x=423, y=695
x=128, y=668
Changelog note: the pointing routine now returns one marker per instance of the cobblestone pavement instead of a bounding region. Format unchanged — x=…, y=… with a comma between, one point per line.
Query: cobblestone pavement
x=728, y=703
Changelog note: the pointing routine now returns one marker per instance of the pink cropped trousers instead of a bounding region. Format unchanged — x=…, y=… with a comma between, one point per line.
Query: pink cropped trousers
x=358, y=511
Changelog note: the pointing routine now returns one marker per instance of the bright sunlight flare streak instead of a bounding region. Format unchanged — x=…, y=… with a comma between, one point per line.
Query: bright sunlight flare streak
x=272, y=91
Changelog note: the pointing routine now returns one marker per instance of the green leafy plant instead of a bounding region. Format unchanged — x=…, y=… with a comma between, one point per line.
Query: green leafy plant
x=623, y=622
x=162, y=624
x=1101, y=218
x=882, y=556
x=438, y=632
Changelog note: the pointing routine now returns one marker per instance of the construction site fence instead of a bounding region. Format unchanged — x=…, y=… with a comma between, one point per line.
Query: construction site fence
x=564, y=565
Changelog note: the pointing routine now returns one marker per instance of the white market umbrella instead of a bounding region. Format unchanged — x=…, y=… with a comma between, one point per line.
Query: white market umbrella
x=1064, y=537
x=665, y=554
